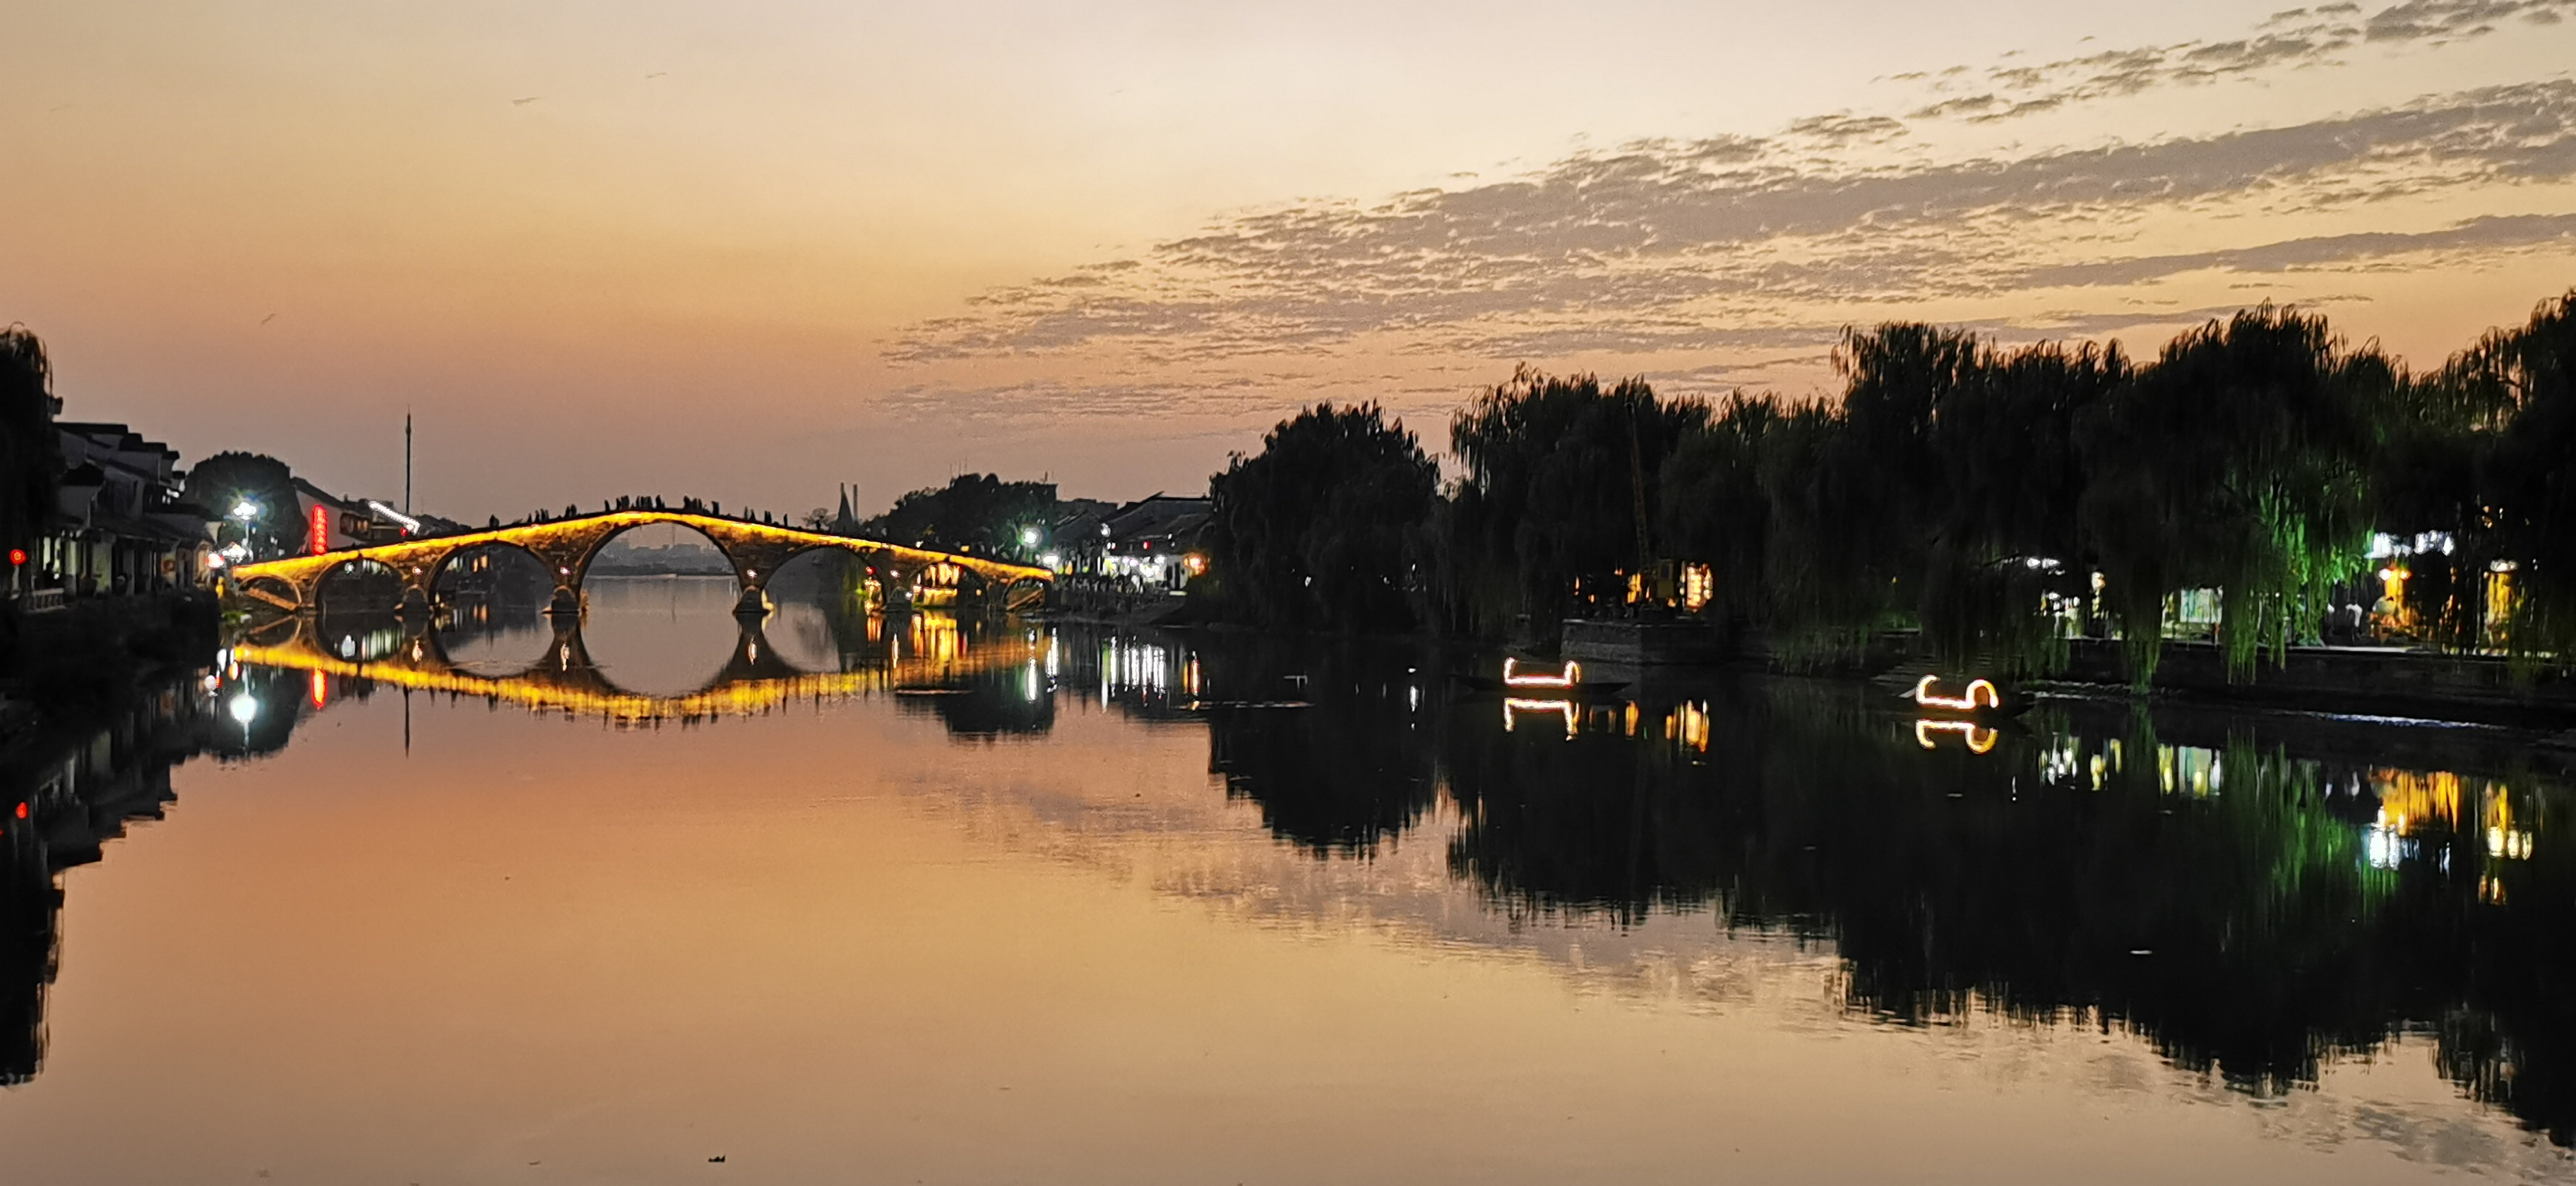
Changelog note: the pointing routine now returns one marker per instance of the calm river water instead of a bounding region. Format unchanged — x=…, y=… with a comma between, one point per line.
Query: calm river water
x=856, y=900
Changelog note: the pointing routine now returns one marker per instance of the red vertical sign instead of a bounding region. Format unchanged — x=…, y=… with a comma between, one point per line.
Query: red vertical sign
x=321, y=529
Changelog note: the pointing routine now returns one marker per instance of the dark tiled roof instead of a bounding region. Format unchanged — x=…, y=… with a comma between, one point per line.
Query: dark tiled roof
x=1161, y=514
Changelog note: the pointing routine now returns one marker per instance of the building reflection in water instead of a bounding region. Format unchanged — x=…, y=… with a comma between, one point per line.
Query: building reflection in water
x=2256, y=896
x=65, y=792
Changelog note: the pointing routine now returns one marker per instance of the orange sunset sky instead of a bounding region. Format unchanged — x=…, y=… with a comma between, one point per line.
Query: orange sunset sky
x=751, y=251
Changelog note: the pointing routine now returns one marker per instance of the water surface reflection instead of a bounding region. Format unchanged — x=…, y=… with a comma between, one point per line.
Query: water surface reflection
x=2281, y=911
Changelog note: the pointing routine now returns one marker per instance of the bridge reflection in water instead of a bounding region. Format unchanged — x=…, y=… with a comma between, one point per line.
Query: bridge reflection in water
x=2254, y=898
x=921, y=652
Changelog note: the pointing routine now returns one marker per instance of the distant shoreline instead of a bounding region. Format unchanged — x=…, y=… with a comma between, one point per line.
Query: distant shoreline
x=597, y=571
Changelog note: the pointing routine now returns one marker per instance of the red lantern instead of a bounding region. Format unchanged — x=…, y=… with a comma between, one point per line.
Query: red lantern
x=17, y=556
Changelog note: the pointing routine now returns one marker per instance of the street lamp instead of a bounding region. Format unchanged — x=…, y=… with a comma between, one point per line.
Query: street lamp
x=1029, y=537
x=245, y=510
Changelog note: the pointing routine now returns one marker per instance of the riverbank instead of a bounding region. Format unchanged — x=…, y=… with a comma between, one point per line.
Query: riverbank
x=2383, y=681
x=90, y=655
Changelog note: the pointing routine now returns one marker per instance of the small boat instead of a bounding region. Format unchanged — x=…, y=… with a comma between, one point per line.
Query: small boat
x=1564, y=683
x=1980, y=699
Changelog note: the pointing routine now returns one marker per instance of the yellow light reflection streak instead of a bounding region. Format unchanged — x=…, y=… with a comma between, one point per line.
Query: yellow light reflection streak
x=1979, y=738
x=1516, y=705
x=742, y=698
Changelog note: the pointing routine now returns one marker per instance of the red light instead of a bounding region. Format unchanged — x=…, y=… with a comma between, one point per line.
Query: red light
x=321, y=529
x=321, y=690
x=22, y=811
x=17, y=555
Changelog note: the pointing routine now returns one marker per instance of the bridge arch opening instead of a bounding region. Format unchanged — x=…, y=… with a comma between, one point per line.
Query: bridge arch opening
x=358, y=585
x=493, y=598
x=661, y=549
x=659, y=619
x=820, y=601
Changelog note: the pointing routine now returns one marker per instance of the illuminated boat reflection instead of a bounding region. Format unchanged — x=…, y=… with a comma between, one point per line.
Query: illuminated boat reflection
x=1565, y=682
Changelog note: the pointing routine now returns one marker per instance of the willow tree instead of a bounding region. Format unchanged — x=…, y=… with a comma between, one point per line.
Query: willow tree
x=2007, y=536
x=2524, y=381
x=2241, y=460
x=1716, y=507
x=1559, y=495
x=1857, y=501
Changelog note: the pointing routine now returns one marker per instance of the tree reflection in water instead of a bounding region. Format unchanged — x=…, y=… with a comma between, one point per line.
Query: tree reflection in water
x=2253, y=904
x=2255, y=895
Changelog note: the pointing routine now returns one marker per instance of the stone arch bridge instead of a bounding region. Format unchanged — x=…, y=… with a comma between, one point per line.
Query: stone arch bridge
x=567, y=546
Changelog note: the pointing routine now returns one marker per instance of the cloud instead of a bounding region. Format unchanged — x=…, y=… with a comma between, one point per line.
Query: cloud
x=2486, y=234
x=2296, y=38
x=1733, y=260
x=2429, y=20
x=1734, y=242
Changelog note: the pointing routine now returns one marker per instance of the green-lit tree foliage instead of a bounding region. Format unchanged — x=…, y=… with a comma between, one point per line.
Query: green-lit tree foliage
x=2000, y=498
x=2240, y=460
x=1944, y=489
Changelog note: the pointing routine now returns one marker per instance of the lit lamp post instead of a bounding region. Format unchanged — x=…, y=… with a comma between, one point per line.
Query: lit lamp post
x=244, y=511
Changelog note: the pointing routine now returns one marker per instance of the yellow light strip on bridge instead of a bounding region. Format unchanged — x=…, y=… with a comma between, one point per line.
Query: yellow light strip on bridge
x=394, y=556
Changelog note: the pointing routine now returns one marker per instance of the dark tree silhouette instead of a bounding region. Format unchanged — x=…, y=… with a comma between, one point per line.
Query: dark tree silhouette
x=1320, y=529
x=973, y=511
x=1548, y=511
x=225, y=480
x=2240, y=460
x=2523, y=380
x=29, y=457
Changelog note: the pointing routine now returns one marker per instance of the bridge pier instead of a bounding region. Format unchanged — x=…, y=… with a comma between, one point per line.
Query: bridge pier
x=566, y=602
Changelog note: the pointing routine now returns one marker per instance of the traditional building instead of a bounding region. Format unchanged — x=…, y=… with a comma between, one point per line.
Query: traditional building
x=332, y=522
x=1150, y=543
x=121, y=524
